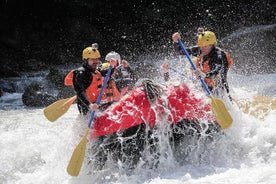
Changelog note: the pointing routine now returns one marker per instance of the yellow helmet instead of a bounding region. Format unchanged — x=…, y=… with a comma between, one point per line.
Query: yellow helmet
x=91, y=52
x=206, y=38
x=105, y=66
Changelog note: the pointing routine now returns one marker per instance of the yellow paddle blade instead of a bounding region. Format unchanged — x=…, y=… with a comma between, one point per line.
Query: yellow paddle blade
x=58, y=108
x=221, y=113
x=258, y=106
x=77, y=157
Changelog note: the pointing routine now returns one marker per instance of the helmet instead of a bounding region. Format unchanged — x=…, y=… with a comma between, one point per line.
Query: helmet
x=113, y=55
x=105, y=66
x=91, y=52
x=206, y=38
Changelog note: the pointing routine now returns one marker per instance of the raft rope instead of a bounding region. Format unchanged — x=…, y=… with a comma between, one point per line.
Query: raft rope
x=153, y=90
x=154, y=93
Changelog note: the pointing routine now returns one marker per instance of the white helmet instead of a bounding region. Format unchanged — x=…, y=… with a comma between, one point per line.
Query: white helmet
x=113, y=55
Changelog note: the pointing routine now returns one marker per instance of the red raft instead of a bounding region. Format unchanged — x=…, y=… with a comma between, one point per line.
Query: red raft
x=175, y=104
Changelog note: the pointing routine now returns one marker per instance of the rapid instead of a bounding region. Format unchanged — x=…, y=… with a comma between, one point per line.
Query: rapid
x=35, y=150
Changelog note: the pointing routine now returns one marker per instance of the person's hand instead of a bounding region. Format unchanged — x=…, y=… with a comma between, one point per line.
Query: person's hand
x=165, y=67
x=93, y=106
x=124, y=63
x=175, y=37
x=199, y=73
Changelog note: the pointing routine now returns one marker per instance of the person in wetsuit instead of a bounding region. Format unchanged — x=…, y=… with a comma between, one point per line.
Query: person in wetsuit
x=88, y=81
x=212, y=63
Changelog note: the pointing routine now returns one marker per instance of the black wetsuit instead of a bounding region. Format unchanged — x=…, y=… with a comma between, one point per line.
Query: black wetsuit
x=82, y=79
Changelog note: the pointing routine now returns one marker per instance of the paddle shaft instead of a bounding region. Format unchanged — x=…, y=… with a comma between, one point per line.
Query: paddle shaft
x=100, y=95
x=78, y=155
x=194, y=67
x=182, y=74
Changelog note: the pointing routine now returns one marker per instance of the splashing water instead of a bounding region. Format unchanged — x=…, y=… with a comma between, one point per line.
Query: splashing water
x=34, y=150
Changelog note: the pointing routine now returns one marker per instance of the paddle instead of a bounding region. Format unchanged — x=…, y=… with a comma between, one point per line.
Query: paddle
x=220, y=111
x=58, y=108
x=77, y=157
x=258, y=106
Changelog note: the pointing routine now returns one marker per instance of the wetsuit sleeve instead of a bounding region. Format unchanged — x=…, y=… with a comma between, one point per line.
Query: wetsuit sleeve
x=214, y=72
x=224, y=71
x=221, y=66
x=195, y=50
x=81, y=81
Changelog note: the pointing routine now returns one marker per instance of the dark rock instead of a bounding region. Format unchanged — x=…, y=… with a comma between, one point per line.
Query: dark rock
x=1, y=92
x=7, y=86
x=35, y=97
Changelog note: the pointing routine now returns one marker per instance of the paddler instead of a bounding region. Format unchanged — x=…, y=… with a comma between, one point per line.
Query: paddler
x=88, y=80
x=212, y=62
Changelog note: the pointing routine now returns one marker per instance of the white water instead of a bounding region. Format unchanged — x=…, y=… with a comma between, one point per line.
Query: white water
x=34, y=150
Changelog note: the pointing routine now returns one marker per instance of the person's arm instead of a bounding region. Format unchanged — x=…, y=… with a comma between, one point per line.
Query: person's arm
x=81, y=82
x=165, y=69
x=195, y=50
x=224, y=72
x=214, y=72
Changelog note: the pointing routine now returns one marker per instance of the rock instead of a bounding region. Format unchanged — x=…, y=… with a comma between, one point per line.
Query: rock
x=1, y=92
x=35, y=97
x=7, y=86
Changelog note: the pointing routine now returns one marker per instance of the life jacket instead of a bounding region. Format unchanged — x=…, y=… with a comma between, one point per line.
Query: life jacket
x=110, y=93
x=68, y=80
x=204, y=67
